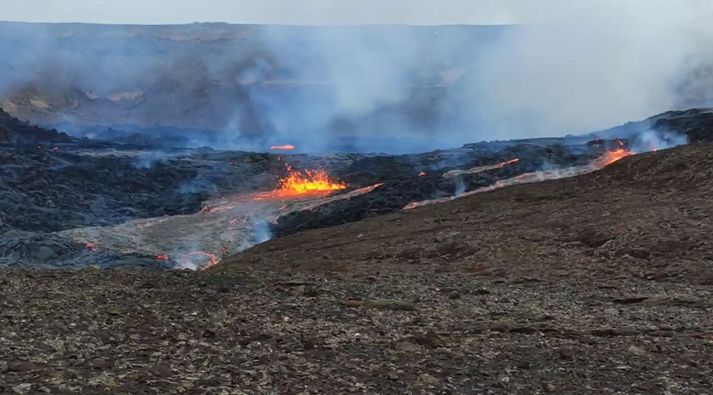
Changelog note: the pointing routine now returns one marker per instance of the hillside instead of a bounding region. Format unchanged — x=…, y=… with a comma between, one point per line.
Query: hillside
x=601, y=282
x=653, y=202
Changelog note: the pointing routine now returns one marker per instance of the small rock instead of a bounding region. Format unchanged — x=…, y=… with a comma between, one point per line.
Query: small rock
x=427, y=380
x=114, y=311
x=384, y=304
x=549, y=387
x=23, y=388
x=409, y=347
x=21, y=366
x=523, y=364
x=102, y=364
x=298, y=290
x=636, y=350
x=429, y=340
x=308, y=344
x=567, y=354
x=352, y=303
x=454, y=295
x=162, y=369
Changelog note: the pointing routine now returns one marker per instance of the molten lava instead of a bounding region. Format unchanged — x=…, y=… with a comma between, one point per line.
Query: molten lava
x=306, y=181
x=285, y=147
x=613, y=156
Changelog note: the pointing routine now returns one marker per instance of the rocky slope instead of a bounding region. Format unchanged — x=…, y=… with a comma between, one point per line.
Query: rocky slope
x=596, y=284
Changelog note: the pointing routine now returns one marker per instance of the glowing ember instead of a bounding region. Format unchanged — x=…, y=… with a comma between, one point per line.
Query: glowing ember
x=286, y=147
x=307, y=181
x=163, y=257
x=90, y=247
x=421, y=174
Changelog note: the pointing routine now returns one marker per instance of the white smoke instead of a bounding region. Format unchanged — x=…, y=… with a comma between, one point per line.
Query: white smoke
x=570, y=67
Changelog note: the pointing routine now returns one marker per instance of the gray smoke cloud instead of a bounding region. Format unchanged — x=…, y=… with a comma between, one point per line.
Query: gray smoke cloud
x=592, y=64
x=572, y=67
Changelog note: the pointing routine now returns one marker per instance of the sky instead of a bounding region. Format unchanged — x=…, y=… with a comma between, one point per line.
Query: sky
x=311, y=12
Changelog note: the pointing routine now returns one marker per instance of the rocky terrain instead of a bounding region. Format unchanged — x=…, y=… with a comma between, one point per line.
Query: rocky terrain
x=65, y=196
x=61, y=193
x=598, y=284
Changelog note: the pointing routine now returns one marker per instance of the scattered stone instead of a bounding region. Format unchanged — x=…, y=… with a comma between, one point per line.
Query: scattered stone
x=23, y=388
x=427, y=380
x=429, y=340
x=352, y=303
x=630, y=299
x=384, y=304
x=21, y=366
x=102, y=364
x=567, y=354
x=406, y=346
x=638, y=351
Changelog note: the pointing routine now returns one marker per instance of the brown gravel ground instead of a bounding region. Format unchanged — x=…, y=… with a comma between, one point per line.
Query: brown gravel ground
x=599, y=284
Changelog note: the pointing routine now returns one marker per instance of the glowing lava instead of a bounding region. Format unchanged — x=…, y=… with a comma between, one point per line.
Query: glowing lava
x=526, y=178
x=306, y=181
x=285, y=147
x=613, y=156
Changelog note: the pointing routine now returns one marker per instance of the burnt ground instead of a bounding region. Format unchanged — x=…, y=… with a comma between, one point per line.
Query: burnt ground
x=596, y=284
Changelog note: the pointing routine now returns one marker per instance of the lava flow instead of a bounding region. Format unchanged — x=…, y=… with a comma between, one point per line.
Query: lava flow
x=525, y=178
x=309, y=181
x=303, y=183
x=613, y=156
x=285, y=147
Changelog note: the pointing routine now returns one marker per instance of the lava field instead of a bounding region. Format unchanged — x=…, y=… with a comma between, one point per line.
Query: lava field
x=420, y=273
x=71, y=202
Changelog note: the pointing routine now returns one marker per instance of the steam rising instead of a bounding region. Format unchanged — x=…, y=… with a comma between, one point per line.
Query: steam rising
x=586, y=66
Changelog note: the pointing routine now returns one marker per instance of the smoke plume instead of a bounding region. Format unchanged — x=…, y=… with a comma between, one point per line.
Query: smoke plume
x=583, y=66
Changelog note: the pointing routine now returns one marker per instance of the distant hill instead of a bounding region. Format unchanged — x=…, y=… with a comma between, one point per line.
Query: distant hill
x=252, y=83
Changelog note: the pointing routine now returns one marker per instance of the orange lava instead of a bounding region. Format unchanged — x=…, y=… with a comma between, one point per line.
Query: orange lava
x=163, y=257
x=421, y=174
x=613, y=155
x=90, y=247
x=285, y=147
x=306, y=181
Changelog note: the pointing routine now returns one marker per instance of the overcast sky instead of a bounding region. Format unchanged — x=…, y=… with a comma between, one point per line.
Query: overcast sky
x=265, y=11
